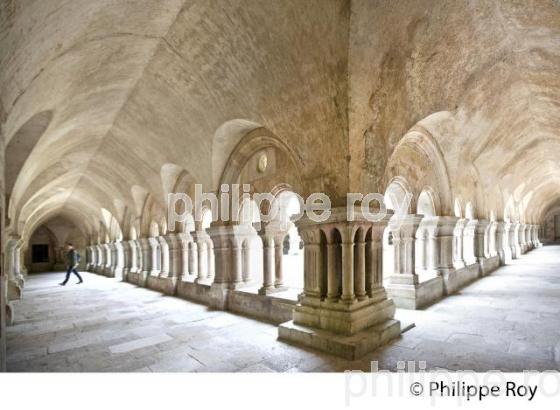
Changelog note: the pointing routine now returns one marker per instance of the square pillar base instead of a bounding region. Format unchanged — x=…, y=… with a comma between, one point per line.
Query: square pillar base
x=165, y=285
x=488, y=265
x=272, y=290
x=348, y=347
x=419, y=295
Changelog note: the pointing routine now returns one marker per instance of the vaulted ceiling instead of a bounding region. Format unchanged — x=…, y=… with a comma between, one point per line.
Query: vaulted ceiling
x=98, y=97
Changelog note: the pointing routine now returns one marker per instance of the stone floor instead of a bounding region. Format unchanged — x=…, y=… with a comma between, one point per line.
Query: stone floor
x=508, y=321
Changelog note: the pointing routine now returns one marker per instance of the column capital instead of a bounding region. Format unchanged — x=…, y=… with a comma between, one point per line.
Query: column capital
x=405, y=226
x=438, y=226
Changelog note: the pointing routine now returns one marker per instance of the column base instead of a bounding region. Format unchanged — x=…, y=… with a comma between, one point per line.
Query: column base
x=137, y=278
x=488, y=265
x=165, y=285
x=218, y=296
x=343, y=318
x=10, y=314
x=118, y=272
x=459, y=278
x=418, y=295
x=109, y=272
x=349, y=347
x=505, y=256
x=203, y=281
x=270, y=290
x=14, y=291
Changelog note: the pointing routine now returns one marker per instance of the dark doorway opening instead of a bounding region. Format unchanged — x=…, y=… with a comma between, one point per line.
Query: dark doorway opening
x=39, y=253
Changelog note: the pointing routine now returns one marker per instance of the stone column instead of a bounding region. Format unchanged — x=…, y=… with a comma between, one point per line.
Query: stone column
x=113, y=265
x=184, y=239
x=236, y=262
x=531, y=237
x=403, y=284
x=127, y=261
x=347, y=264
x=522, y=243
x=89, y=258
x=347, y=327
x=95, y=258
x=15, y=284
x=421, y=244
x=404, y=231
x=193, y=259
x=119, y=260
x=515, y=241
x=458, y=259
x=528, y=241
x=135, y=256
x=492, y=237
x=374, y=254
x=268, y=263
x=431, y=230
x=164, y=257
x=480, y=240
x=278, y=268
x=201, y=238
x=535, y=236
x=227, y=249
x=469, y=242
x=155, y=257
x=502, y=242
x=313, y=281
x=360, y=268
x=247, y=271
x=443, y=236
x=100, y=259
x=174, y=255
x=17, y=264
x=106, y=259
x=211, y=259
x=146, y=256
x=333, y=287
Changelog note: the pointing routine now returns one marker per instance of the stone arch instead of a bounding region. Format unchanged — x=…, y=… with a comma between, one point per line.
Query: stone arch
x=458, y=208
x=21, y=144
x=418, y=158
x=282, y=164
x=395, y=193
x=177, y=180
x=286, y=204
x=470, y=211
x=508, y=210
x=154, y=229
x=249, y=213
x=112, y=226
x=151, y=213
x=133, y=235
x=227, y=136
x=427, y=203
x=206, y=219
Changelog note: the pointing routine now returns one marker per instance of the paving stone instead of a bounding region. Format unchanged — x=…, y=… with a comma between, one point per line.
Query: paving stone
x=507, y=321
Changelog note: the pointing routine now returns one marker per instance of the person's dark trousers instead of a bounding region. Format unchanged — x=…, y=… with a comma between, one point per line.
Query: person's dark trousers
x=68, y=272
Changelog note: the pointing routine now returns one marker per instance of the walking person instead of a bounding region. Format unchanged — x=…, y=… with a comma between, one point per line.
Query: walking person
x=72, y=261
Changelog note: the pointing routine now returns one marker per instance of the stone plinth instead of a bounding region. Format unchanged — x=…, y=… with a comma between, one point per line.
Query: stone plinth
x=344, y=309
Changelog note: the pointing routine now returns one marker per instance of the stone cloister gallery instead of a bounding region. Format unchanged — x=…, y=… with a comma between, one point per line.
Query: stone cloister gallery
x=451, y=108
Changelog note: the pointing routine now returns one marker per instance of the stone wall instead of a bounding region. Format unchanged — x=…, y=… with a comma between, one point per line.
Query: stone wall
x=3, y=278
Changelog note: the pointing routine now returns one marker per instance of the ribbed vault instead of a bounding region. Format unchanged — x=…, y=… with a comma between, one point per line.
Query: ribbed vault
x=141, y=91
